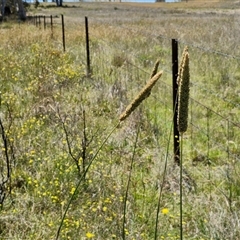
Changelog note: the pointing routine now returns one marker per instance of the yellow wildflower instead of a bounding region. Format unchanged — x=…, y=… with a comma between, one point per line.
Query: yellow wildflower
x=165, y=211
x=89, y=235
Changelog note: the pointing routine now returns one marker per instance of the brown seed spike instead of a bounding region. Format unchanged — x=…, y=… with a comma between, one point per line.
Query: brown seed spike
x=143, y=94
x=185, y=50
x=183, y=93
x=155, y=69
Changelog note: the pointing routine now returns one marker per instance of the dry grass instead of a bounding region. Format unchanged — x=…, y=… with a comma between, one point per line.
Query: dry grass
x=54, y=90
x=190, y=4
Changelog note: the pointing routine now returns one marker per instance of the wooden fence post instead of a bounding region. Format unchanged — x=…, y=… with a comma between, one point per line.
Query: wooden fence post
x=175, y=100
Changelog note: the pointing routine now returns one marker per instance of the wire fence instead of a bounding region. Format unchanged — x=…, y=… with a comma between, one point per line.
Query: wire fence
x=214, y=122
x=214, y=103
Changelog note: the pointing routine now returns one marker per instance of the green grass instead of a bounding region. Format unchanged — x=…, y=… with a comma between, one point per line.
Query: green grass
x=45, y=92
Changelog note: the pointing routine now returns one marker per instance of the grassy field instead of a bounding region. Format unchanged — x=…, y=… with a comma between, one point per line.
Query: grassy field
x=65, y=161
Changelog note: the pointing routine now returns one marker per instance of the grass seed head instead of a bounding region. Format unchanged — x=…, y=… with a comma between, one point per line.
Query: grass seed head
x=183, y=92
x=181, y=67
x=143, y=94
x=155, y=69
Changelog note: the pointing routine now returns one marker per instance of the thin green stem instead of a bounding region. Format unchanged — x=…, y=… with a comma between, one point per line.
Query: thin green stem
x=160, y=192
x=164, y=175
x=81, y=179
x=181, y=189
x=128, y=185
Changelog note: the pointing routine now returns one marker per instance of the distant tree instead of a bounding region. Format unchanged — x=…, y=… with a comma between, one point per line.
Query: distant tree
x=3, y=4
x=59, y=3
x=13, y=6
x=21, y=10
x=36, y=4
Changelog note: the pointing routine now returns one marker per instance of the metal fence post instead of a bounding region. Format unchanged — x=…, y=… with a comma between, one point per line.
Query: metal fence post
x=87, y=47
x=63, y=33
x=51, y=20
x=44, y=20
x=39, y=18
x=175, y=100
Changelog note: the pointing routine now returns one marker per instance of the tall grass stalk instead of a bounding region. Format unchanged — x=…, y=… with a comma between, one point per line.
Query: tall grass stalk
x=128, y=184
x=143, y=94
x=183, y=100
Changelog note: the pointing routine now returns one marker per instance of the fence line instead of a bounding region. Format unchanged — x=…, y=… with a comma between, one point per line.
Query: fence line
x=196, y=128
x=211, y=140
x=157, y=36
